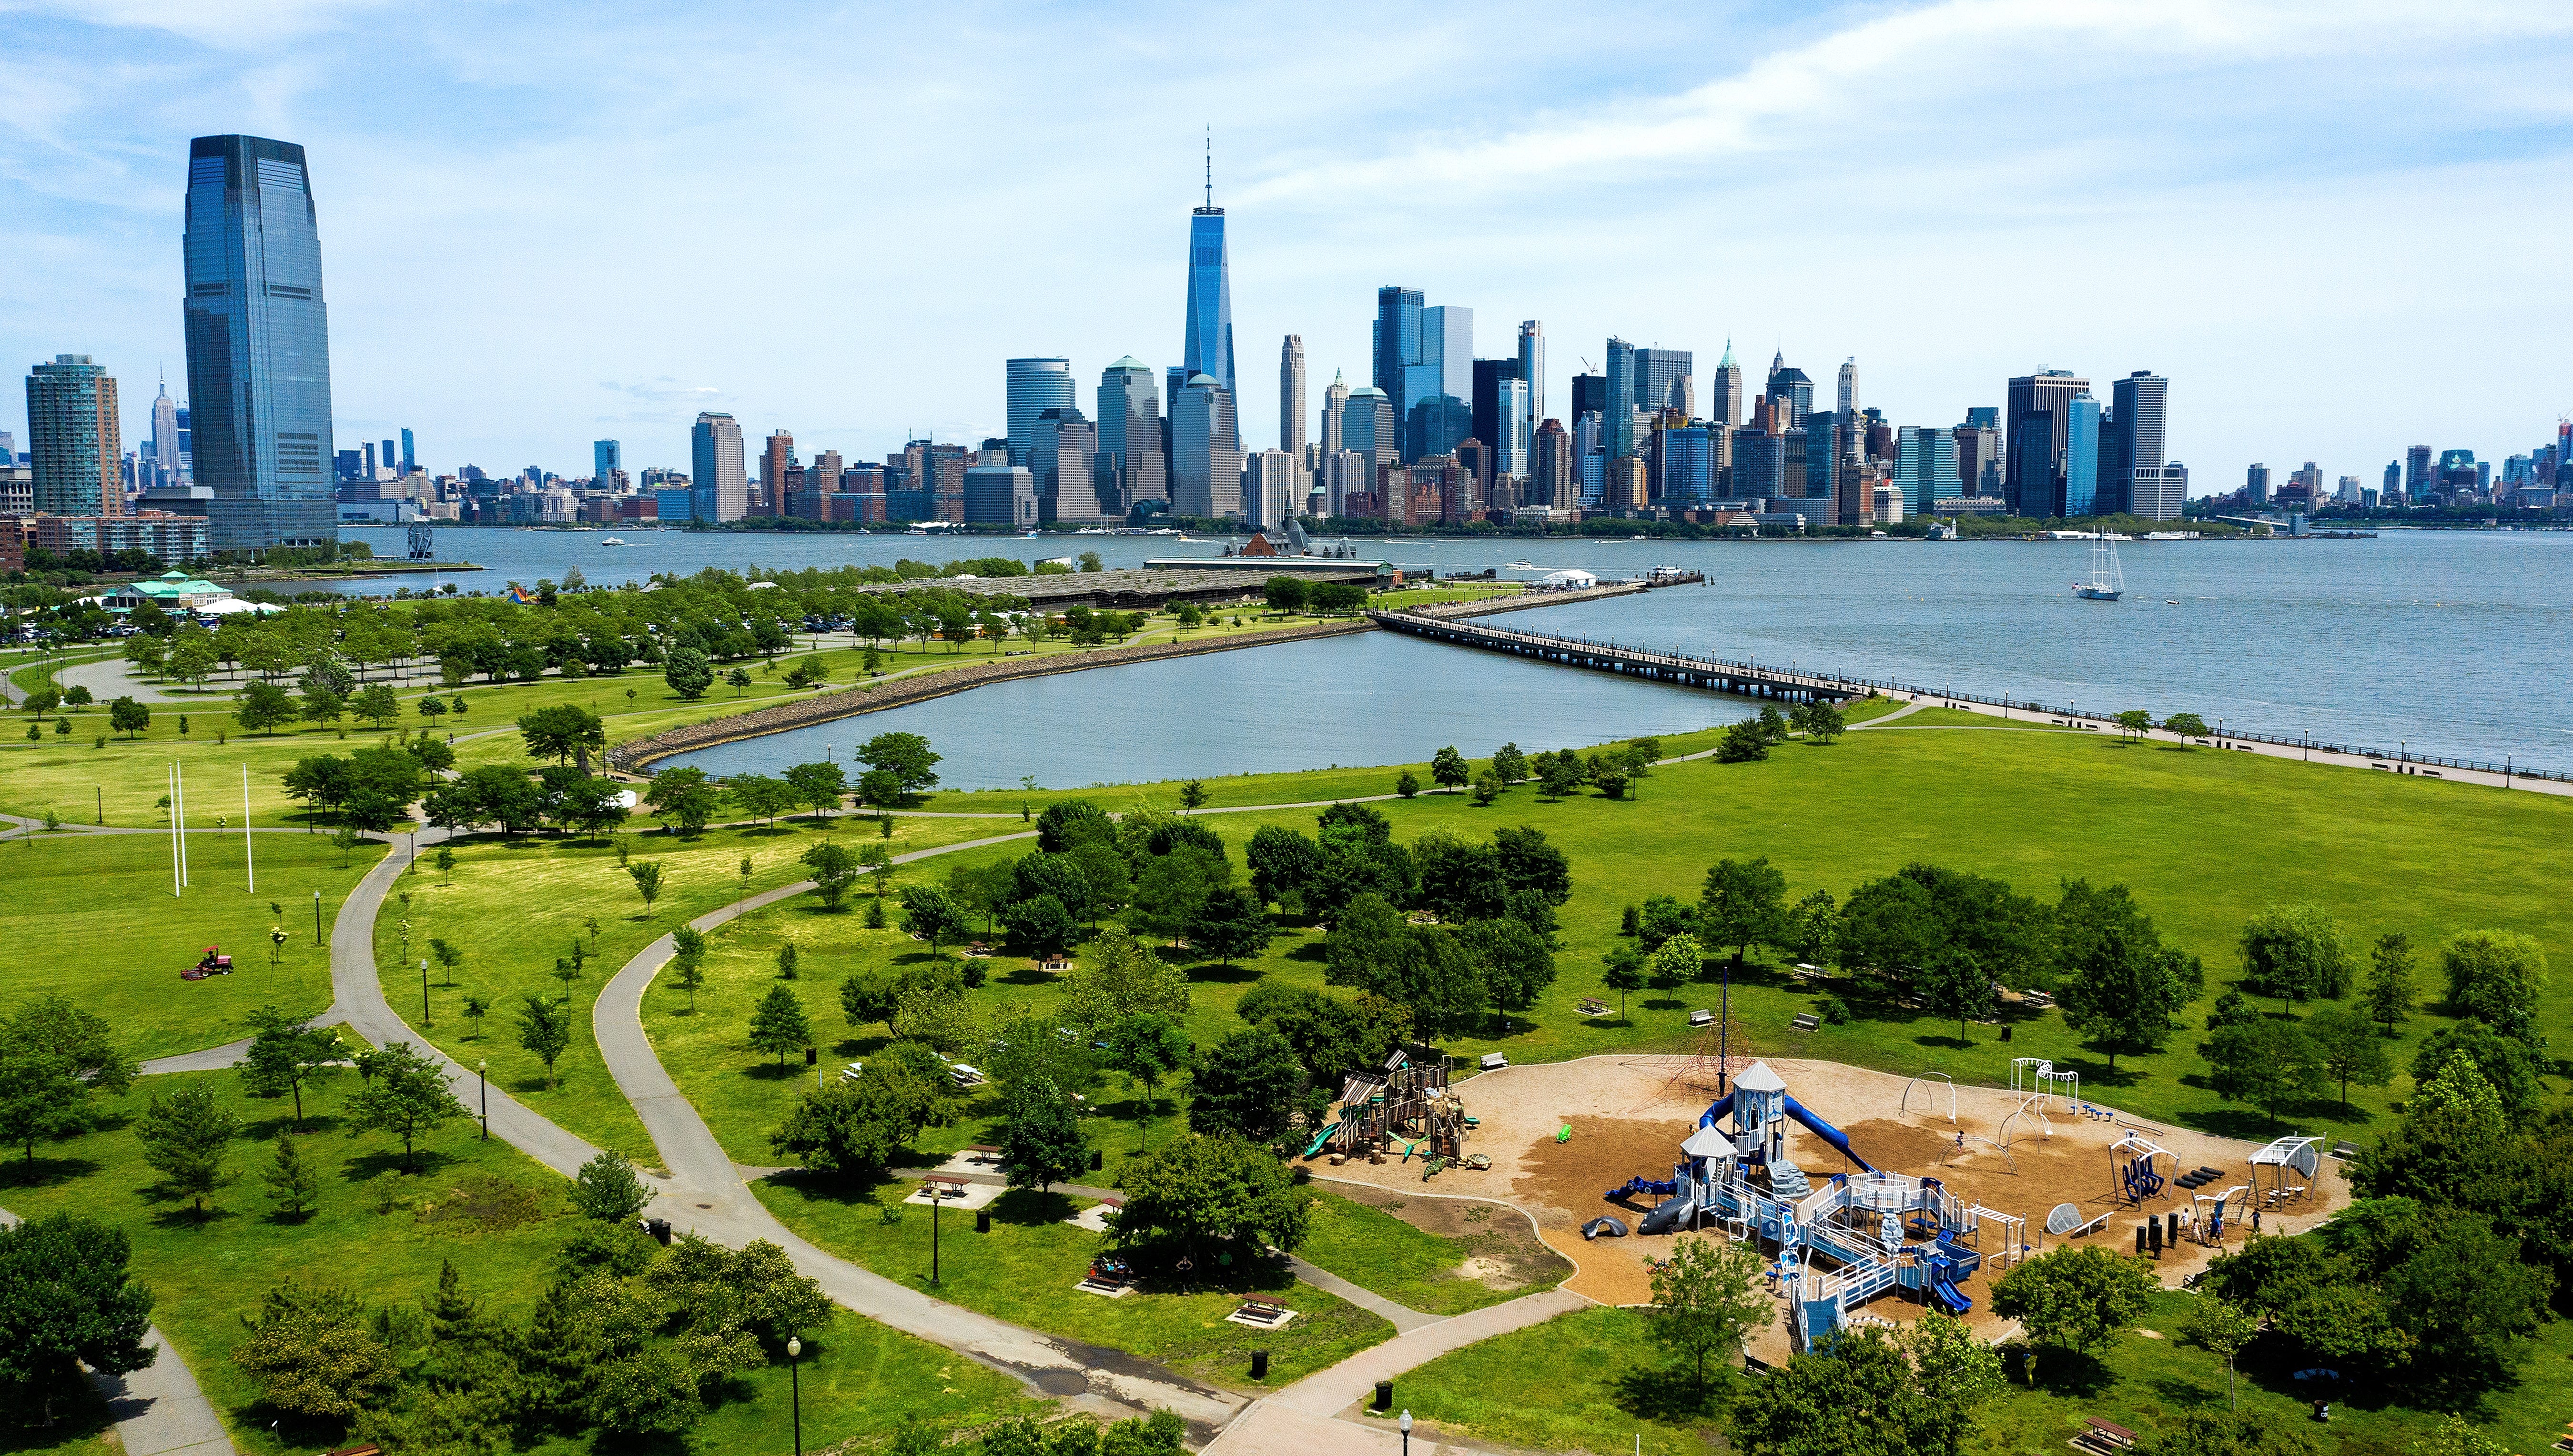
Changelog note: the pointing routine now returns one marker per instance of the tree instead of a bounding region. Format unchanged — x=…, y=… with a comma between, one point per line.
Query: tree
x=779, y=1025
x=2507, y=1063
x=683, y=796
x=311, y=1353
x=1244, y=1086
x=739, y=681
x=291, y=1184
x=1508, y=764
x=760, y=795
x=928, y=913
x=1192, y=796
x=2293, y=951
x=1953, y=982
x=610, y=1190
x=67, y=1302
x=1513, y=961
x=2221, y=1328
x=128, y=717
x=2390, y=990
x=1859, y=1396
x=2266, y=1062
x=2227, y=1433
x=1743, y=903
x=1448, y=769
x=404, y=1095
x=1284, y=593
x=1677, y=959
x=1822, y=722
x=1607, y=773
x=2134, y=723
x=817, y=786
x=1042, y=925
x=1407, y=784
x=853, y=1128
x=1558, y=775
x=2076, y=1298
x=2187, y=725
x=686, y=671
x=263, y=707
x=2496, y=976
x=1202, y=1190
x=1230, y=922
x=545, y=1028
x=284, y=1053
x=2347, y=1044
x=1706, y=1297
x=1174, y=886
x=899, y=765
x=183, y=1137
x=834, y=871
x=647, y=880
x=2123, y=984
x=1118, y=977
x=1488, y=788
x=1956, y=1374
x=592, y=805
x=559, y=732
x=1041, y=1139
x=1147, y=1047
x=1744, y=742
x=1625, y=973
x=54, y=1062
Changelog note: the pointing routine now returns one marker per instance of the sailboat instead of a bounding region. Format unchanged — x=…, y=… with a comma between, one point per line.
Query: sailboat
x=2108, y=579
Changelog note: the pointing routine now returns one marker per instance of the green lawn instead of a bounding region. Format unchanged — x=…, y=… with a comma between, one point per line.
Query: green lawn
x=1410, y=1267
x=1589, y=1381
x=513, y=905
x=207, y=1273
x=93, y=919
x=1024, y=1271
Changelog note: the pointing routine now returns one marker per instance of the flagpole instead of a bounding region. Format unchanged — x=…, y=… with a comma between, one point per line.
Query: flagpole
x=247, y=865
x=181, y=805
x=170, y=781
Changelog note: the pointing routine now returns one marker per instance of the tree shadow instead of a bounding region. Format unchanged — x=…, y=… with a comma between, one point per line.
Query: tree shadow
x=19, y=1172
x=1951, y=1043
x=1032, y=1209
x=1309, y=950
x=1672, y=1393
x=1029, y=975
x=1219, y=974
x=771, y=1072
x=366, y=1166
x=184, y=1215
x=2059, y=1371
x=269, y=1129
x=1659, y=1003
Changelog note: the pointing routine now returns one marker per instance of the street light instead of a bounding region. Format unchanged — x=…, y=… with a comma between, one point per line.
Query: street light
x=795, y=1384
x=482, y=1070
x=423, y=992
x=934, y=1203
x=1404, y=1425
x=317, y=917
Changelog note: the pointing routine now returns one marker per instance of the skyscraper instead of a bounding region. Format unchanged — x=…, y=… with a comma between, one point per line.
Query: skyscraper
x=1924, y=465
x=1511, y=451
x=410, y=462
x=1490, y=376
x=2080, y=465
x=1130, y=435
x=1551, y=482
x=1036, y=386
x=1649, y=380
x=74, y=441
x=1208, y=349
x=1589, y=396
x=1397, y=341
x=1067, y=446
x=775, y=461
x=2140, y=402
x=606, y=457
x=1269, y=494
x=2038, y=408
x=1334, y=401
x=1724, y=401
x=1532, y=370
x=1438, y=383
x=258, y=344
x=1367, y=428
x=1790, y=386
x=165, y=437
x=718, y=486
x=1290, y=396
x=1849, y=388
x=1206, y=451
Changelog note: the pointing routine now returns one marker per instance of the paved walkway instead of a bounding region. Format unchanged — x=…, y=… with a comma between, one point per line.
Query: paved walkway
x=159, y=1410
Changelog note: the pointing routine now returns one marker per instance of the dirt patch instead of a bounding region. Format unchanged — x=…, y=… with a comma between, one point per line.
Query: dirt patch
x=1503, y=1251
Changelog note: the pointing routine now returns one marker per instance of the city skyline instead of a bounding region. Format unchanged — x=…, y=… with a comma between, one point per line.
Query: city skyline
x=522, y=356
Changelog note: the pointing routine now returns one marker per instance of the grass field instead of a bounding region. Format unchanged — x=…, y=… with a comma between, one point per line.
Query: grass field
x=513, y=907
x=1384, y=1256
x=93, y=919
x=1600, y=1382
x=1024, y=1271
x=207, y=1273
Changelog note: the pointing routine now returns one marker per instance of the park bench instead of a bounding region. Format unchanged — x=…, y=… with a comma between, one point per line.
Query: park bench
x=1496, y=1061
x=2345, y=1149
x=1808, y=1021
x=1701, y=1019
x=2106, y=1436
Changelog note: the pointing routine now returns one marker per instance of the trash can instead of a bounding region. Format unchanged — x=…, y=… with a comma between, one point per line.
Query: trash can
x=1385, y=1395
x=811, y=1055
x=982, y=1221
x=1260, y=1365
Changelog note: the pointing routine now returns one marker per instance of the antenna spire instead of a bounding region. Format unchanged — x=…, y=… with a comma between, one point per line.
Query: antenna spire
x=1209, y=159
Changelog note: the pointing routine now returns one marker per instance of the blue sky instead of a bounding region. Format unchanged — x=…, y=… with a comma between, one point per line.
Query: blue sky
x=2338, y=226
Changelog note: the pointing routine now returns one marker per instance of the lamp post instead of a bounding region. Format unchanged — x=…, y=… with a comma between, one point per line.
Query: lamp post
x=1404, y=1425
x=317, y=917
x=795, y=1386
x=482, y=1070
x=934, y=1203
x=424, y=994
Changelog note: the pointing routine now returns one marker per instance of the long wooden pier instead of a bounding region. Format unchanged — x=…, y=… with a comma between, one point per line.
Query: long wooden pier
x=1745, y=679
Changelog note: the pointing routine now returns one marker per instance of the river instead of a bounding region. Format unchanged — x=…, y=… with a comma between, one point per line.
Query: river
x=2450, y=644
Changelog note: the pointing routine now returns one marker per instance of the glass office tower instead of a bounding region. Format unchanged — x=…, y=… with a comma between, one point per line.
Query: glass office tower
x=1207, y=350
x=259, y=345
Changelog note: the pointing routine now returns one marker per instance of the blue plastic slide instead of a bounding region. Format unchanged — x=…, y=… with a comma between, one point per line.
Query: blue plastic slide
x=1715, y=1110
x=1825, y=1132
x=1955, y=1302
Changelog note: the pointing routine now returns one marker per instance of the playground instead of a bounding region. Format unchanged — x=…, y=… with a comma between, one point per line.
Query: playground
x=1558, y=1135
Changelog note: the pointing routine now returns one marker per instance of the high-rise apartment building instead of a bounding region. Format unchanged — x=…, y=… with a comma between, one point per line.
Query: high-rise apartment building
x=1132, y=466
x=606, y=457
x=1207, y=346
x=1036, y=386
x=2038, y=409
x=1290, y=396
x=1532, y=370
x=74, y=440
x=1724, y=400
x=258, y=344
x=1206, y=451
x=775, y=460
x=2256, y=484
x=1510, y=451
x=1551, y=482
x=718, y=485
x=1335, y=401
x=1064, y=463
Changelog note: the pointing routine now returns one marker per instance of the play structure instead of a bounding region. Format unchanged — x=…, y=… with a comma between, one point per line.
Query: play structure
x=2131, y=1173
x=1928, y=1095
x=2037, y=1075
x=1874, y=1230
x=2290, y=1164
x=1408, y=1101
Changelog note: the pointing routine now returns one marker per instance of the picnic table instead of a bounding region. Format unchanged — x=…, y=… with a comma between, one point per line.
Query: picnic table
x=941, y=1186
x=2105, y=1435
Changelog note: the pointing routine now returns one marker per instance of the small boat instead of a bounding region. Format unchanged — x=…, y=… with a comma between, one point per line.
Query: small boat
x=2108, y=579
x=610, y=542
x=1520, y=566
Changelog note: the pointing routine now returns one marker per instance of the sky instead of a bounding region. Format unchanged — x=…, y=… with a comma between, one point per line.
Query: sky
x=2337, y=227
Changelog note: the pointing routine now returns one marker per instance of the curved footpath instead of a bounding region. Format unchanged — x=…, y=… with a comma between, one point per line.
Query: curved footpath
x=159, y=1410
